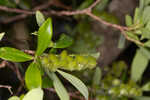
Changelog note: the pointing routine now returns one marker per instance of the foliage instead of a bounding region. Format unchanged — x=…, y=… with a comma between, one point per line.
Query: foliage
x=50, y=63
x=77, y=53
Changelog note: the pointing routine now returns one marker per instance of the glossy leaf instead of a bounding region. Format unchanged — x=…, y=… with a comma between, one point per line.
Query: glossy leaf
x=44, y=36
x=2, y=35
x=59, y=87
x=139, y=65
x=33, y=76
x=39, y=18
x=15, y=55
x=14, y=98
x=77, y=83
x=34, y=94
x=63, y=42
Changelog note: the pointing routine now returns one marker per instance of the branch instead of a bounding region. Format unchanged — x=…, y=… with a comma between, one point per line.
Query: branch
x=7, y=87
x=87, y=11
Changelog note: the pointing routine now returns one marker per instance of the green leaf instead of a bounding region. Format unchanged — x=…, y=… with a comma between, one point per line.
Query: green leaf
x=39, y=18
x=132, y=35
x=47, y=83
x=122, y=41
x=145, y=33
x=136, y=16
x=8, y=3
x=147, y=44
x=146, y=87
x=14, y=98
x=97, y=76
x=34, y=94
x=145, y=52
x=44, y=36
x=76, y=83
x=59, y=87
x=33, y=76
x=22, y=96
x=129, y=21
x=2, y=35
x=64, y=42
x=146, y=15
x=139, y=65
x=141, y=4
x=15, y=55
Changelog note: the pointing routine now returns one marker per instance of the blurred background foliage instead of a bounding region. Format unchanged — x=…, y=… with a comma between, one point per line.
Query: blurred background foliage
x=111, y=80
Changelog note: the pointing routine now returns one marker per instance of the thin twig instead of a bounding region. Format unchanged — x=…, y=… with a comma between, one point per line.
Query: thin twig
x=86, y=11
x=3, y=64
x=7, y=87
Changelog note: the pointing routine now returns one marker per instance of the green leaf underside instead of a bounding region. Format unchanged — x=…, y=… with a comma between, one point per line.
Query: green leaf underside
x=77, y=83
x=44, y=36
x=59, y=87
x=33, y=76
x=34, y=94
x=15, y=55
x=139, y=65
x=39, y=18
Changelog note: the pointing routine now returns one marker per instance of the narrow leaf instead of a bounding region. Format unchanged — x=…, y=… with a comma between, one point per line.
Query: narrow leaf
x=76, y=83
x=59, y=87
x=128, y=20
x=39, y=18
x=146, y=87
x=14, y=98
x=33, y=76
x=2, y=35
x=15, y=55
x=132, y=35
x=122, y=41
x=139, y=65
x=146, y=15
x=34, y=94
x=136, y=15
x=63, y=42
x=97, y=76
x=44, y=36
